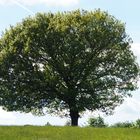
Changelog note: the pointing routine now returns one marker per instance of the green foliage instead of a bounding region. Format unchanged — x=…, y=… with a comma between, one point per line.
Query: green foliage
x=97, y=122
x=48, y=124
x=126, y=124
x=66, y=62
x=137, y=123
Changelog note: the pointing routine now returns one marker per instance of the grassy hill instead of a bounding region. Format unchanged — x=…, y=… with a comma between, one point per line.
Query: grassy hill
x=66, y=133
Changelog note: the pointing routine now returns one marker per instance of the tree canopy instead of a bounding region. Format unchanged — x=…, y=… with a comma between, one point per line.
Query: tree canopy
x=66, y=62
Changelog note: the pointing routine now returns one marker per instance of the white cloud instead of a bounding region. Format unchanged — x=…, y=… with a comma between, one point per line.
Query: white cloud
x=17, y=118
x=46, y=2
x=136, y=50
x=128, y=111
x=7, y=118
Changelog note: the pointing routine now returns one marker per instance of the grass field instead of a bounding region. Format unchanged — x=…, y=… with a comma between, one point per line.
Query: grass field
x=66, y=133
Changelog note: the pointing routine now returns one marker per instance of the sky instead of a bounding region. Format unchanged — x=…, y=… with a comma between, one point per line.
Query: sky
x=13, y=11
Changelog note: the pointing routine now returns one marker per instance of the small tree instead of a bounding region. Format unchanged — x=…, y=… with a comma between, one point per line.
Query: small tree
x=137, y=123
x=48, y=124
x=66, y=63
x=97, y=122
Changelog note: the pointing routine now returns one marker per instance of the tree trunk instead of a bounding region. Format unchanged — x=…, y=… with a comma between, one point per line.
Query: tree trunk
x=74, y=117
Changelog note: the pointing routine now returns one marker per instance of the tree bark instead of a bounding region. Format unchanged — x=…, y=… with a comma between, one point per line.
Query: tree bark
x=74, y=117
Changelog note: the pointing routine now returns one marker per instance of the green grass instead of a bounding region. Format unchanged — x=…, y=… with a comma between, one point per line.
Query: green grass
x=66, y=133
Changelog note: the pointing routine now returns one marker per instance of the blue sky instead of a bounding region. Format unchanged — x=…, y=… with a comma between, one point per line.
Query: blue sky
x=13, y=11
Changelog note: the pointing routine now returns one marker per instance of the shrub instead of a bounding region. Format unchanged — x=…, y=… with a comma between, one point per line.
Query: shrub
x=137, y=123
x=97, y=122
x=48, y=124
x=126, y=124
x=68, y=123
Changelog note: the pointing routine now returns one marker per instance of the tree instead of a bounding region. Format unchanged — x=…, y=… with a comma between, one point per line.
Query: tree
x=137, y=123
x=97, y=122
x=66, y=63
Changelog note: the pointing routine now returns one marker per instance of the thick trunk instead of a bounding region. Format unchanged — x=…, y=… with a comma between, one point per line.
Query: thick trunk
x=74, y=117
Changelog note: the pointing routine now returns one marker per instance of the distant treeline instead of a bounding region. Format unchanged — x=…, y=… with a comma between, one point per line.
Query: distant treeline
x=98, y=122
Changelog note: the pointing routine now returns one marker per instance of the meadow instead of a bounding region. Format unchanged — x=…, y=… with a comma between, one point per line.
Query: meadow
x=67, y=133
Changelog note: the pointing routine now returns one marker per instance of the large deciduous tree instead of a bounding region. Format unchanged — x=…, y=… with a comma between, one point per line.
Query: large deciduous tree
x=66, y=62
